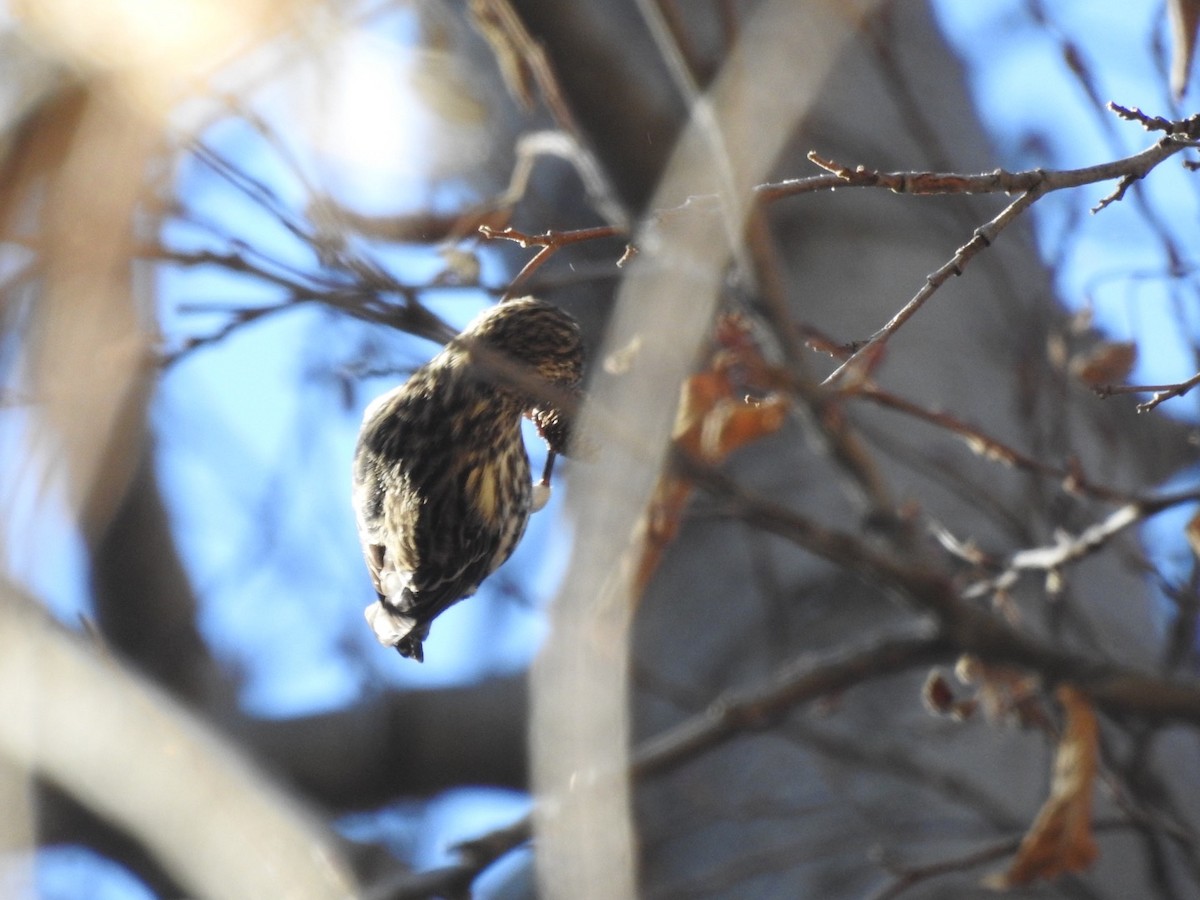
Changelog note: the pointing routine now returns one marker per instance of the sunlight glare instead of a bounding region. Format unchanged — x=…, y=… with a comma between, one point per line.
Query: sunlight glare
x=156, y=45
x=395, y=112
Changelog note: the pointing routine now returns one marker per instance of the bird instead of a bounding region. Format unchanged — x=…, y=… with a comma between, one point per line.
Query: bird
x=442, y=489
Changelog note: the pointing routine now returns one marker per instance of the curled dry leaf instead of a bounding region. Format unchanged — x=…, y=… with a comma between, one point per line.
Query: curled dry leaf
x=1004, y=693
x=1109, y=362
x=712, y=423
x=1185, y=19
x=1192, y=533
x=510, y=43
x=941, y=699
x=715, y=417
x=1060, y=838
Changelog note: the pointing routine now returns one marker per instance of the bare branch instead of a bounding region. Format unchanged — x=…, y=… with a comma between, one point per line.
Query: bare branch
x=524, y=63
x=455, y=880
x=805, y=679
x=1162, y=392
x=970, y=628
x=857, y=364
x=550, y=242
x=1071, y=477
x=80, y=720
x=904, y=878
x=1072, y=548
x=801, y=681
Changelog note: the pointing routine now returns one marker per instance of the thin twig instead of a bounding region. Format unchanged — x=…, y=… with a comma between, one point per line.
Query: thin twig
x=550, y=243
x=524, y=63
x=1162, y=392
x=908, y=877
x=1072, y=548
x=455, y=880
x=903, y=879
x=805, y=679
x=1070, y=476
x=1119, y=690
x=983, y=237
x=801, y=681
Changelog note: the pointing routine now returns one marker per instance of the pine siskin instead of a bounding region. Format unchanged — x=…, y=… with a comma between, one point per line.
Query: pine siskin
x=442, y=487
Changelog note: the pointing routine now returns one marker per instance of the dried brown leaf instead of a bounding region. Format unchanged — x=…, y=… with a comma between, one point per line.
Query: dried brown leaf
x=712, y=422
x=1192, y=533
x=1060, y=839
x=1185, y=19
x=937, y=693
x=499, y=26
x=732, y=424
x=1003, y=693
x=940, y=698
x=714, y=419
x=1109, y=362
x=660, y=524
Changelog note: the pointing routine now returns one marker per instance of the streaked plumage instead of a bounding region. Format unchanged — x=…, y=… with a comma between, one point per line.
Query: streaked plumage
x=442, y=487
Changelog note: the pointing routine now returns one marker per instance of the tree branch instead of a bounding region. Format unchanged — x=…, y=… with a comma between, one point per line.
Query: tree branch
x=970, y=629
x=803, y=680
x=124, y=749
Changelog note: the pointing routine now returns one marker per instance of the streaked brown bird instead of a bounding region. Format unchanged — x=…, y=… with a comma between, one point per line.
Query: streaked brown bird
x=442, y=486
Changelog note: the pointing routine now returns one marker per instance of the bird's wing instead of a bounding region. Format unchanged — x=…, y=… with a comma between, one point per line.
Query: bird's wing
x=450, y=548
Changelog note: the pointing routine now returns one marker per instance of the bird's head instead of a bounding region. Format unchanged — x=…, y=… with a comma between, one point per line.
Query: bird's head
x=534, y=350
x=537, y=336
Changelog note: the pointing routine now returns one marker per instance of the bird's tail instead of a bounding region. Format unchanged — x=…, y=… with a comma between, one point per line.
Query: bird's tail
x=395, y=629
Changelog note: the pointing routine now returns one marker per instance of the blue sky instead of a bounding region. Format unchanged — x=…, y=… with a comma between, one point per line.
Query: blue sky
x=1038, y=113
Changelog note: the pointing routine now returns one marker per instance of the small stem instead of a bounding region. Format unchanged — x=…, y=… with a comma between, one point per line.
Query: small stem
x=549, y=467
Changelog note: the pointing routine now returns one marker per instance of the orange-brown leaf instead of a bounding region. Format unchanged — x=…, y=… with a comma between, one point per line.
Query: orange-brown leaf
x=711, y=423
x=1192, y=532
x=699, y=394
x=1185, y=19
x=1004, y=693
x=1109, y=362
x=940, y=698
x=732, y=424
x=713, y=420
x=659, y=525
x=1060, y=838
